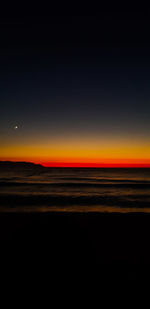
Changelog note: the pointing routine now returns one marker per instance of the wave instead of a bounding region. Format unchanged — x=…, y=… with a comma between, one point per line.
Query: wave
x=13, y=200
x=125, y=184
x=69, y=189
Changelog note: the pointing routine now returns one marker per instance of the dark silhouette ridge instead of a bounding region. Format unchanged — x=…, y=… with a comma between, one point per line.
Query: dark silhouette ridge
x=21, y=164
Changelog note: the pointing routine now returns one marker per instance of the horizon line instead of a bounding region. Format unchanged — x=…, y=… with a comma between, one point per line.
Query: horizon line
x=82, y=165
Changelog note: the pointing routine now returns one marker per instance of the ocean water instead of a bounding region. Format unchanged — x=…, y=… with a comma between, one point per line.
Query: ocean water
x=39, y=189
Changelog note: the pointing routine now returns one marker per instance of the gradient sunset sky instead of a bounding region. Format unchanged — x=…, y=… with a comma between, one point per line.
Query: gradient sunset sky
x=77, y=87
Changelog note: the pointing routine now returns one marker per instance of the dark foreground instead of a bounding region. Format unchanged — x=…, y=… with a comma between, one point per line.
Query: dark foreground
x=65, y=247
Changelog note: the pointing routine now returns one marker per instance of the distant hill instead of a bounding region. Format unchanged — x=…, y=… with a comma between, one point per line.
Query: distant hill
x=20, y=165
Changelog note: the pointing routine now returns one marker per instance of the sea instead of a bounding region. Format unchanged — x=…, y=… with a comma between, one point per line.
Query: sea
x=30, y=188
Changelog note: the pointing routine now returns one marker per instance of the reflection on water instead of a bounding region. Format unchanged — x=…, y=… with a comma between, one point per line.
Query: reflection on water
x=75, y=190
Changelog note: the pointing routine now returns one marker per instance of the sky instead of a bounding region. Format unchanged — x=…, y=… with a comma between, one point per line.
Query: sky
x=74, y=88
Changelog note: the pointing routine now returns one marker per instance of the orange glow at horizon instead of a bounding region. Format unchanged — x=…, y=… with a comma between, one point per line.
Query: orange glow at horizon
x=80, y=153
x=103, y=164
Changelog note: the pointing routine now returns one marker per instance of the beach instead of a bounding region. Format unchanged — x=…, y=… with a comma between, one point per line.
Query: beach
x=109, y=247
